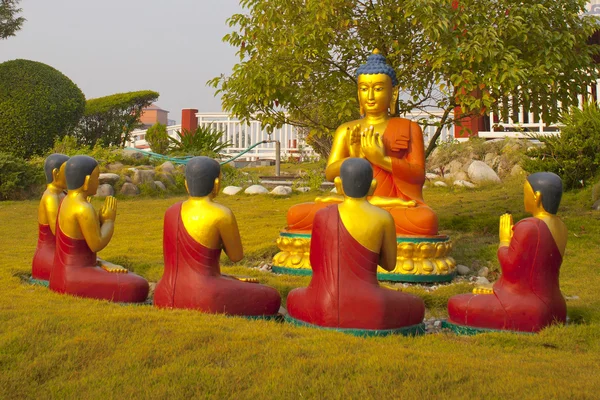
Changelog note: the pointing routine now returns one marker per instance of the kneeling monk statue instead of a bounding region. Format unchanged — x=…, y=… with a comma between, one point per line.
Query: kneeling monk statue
x=395, y=149
x=527, y=296
x=194, y=233
x=43, y=260
x=80, y=234
x=348, y=241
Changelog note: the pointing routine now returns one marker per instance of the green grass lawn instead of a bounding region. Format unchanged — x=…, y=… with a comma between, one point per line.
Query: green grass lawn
x=54, y=346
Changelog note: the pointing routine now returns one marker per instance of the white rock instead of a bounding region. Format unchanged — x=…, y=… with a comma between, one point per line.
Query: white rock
x=109, y=178
x=462, y=183
x=481, y=172
x=463, y=269
x=256, y=189
x=596, y=205
x=303, y=189
x=482, y=281
x=143, y=176
x=453, y=166
x=430, y=175
x=334, y=190
x=167, y=167
x=232, y=190
x=460, y=176
x=440, y=184
x=516, y=170
x=437, y=323
x=160, y=185
x=281, y=190
x=129, y=189
x=484, y=272
x=105, y=190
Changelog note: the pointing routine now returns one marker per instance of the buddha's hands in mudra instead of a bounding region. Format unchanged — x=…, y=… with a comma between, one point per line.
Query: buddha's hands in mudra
x=371, y=144
x=109, y=210
x=506, y=229
x=353, y=138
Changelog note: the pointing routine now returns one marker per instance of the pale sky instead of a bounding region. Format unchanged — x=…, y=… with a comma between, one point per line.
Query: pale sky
x=113, y=46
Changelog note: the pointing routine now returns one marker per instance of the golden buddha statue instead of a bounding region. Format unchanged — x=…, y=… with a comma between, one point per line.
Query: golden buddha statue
x=81, y=233
x=394, y=147
x=54, y=169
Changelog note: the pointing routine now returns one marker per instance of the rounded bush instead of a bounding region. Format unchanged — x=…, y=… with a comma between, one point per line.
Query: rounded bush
x=38, y=104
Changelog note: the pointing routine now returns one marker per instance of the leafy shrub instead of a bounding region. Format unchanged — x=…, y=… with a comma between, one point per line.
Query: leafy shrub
x=109, y=120
x=157, y=138
x=18, y=179
x=574, y=155
x=68, y=145
x=204, y=141
x=235, y=177
x=37, y=105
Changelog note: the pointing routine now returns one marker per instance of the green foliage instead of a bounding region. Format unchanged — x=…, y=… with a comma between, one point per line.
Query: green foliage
x=298, y=58
x=204, y=141
x=18, y=178
x=9, y=22
x=109, y=120
x=574, y=155
x=158, y=138
x=37, y=105
x=103, y=154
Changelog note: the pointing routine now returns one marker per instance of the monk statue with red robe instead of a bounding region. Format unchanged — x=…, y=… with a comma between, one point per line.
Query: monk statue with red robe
x=394, y=147
x=81, y=233
x=348, y=241
x=527, y=296
x=54, y=168
x=195, y=232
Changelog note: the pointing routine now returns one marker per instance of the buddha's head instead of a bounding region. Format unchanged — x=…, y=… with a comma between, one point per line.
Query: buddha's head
x=356, y=175
x=542, y=192
x=54, y=168
x=82, y=173
x=377, y=86
x=202, y=177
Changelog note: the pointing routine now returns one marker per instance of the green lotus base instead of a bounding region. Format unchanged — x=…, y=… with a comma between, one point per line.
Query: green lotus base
x=380, y=276
x=39, y=282
x=413, y=330
x=471, y=330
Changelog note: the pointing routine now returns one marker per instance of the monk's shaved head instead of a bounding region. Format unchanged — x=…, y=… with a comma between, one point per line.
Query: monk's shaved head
x=77, y=168
x=551, y=188
x=357, y=175
x=53, y=161
x=200, y=175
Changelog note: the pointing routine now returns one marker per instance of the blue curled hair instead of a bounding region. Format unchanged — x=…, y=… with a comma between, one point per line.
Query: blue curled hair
x=377, y=64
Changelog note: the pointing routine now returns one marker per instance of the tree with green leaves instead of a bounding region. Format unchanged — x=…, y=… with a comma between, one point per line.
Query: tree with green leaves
x=298, y=58
x=38, y=104
x=9, y=22
x=109, y=120
x=158, y=138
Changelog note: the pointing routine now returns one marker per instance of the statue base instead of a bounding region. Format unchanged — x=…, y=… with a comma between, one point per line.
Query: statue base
x=421, y=259
x=472, y=330
x=413, y=330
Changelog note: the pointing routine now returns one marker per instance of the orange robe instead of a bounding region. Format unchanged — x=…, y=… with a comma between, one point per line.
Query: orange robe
x=403, y=143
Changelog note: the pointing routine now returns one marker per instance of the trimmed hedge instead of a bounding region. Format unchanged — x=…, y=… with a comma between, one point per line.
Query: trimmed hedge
x=38, y=104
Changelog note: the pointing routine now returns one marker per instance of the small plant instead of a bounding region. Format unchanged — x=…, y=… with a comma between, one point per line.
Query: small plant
x=158, y=139
x=204, y=141
x=18, y=179
x=574, y=155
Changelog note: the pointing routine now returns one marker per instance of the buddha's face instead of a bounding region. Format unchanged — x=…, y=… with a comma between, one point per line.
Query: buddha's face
x=60, y=180
x=374, y=93
x=93, y=182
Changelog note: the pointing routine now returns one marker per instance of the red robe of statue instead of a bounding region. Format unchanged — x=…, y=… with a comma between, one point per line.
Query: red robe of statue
x=344, y=291
x=527, y=296
x=44, y=253
x=192, y=278
x=75, y=272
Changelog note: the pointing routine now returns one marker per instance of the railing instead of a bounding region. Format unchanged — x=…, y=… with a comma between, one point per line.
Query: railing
x=520, y=124
x=293, y=144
